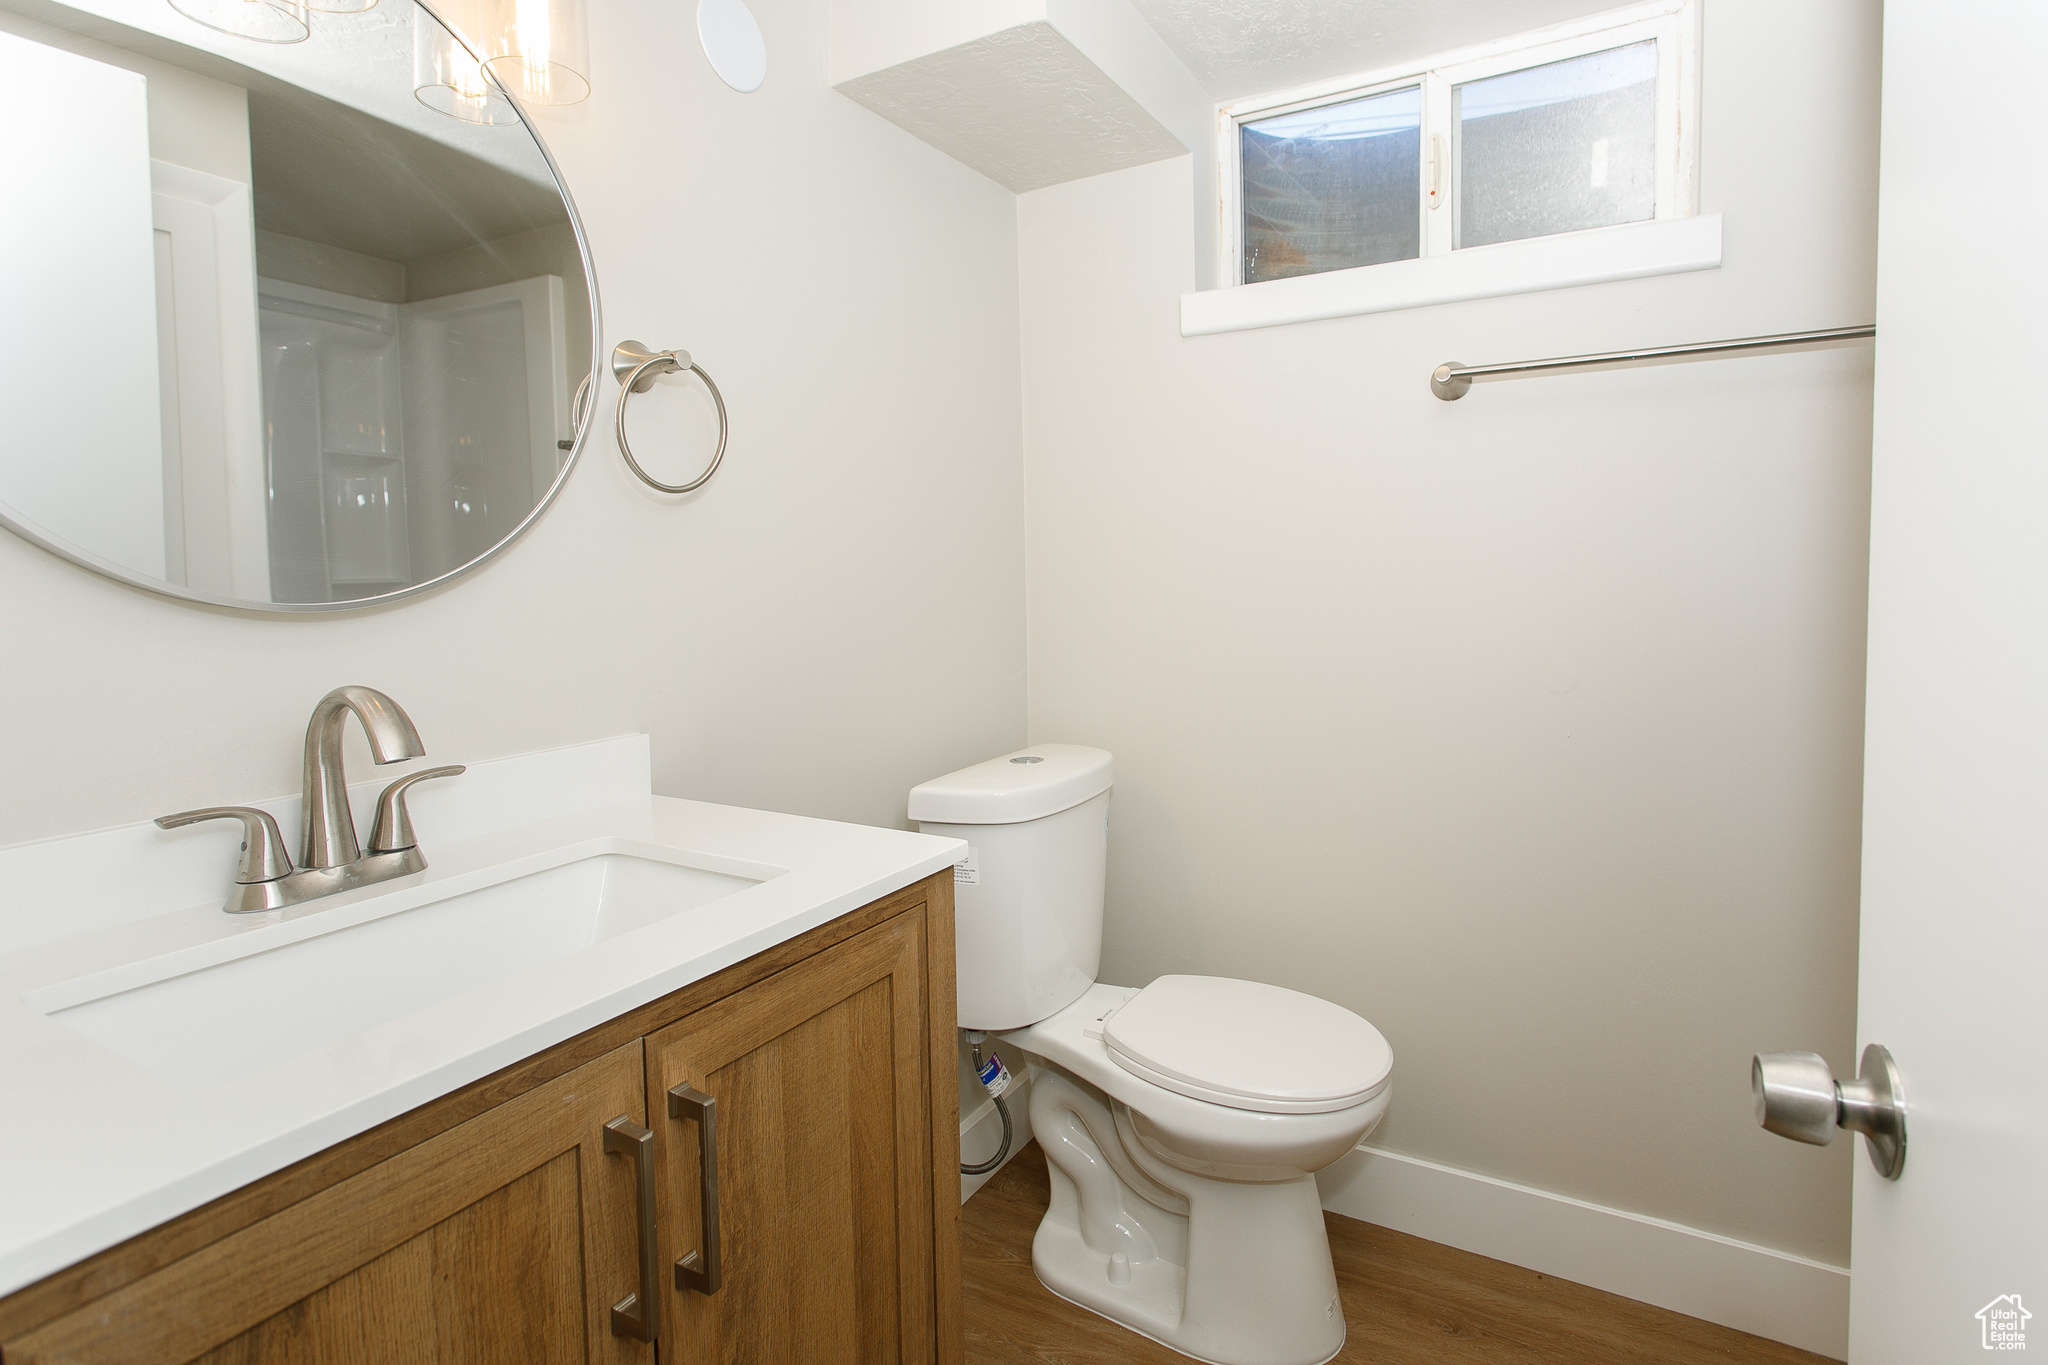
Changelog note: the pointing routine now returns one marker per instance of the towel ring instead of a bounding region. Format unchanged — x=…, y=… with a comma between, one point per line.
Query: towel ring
x=636, y=368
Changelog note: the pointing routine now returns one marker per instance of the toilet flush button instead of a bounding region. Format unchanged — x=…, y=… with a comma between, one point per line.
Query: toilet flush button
x=1093, y=1031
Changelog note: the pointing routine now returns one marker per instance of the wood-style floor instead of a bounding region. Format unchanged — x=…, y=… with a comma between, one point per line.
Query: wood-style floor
x=1407, y=1300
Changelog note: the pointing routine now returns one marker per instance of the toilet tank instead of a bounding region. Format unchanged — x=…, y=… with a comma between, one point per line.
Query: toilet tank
x=1028, y=896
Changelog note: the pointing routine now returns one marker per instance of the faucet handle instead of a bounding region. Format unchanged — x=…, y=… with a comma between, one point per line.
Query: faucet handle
x=392, y=832
x=264, y=858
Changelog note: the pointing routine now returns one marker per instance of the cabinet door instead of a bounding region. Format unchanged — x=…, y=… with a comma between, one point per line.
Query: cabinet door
x=508, y=1237
x=822, y=1170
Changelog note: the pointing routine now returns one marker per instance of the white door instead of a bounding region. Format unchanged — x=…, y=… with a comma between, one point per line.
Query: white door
x=1955, y=858
x=486, y=416
x=81, y=456
x=215, y=488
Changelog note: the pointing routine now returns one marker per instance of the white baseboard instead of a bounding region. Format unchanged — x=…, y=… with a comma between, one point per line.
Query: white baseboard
x=981, y=1129
x=1751, y=1288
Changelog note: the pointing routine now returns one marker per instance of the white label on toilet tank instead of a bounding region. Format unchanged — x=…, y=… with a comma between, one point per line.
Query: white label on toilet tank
x=967, y=872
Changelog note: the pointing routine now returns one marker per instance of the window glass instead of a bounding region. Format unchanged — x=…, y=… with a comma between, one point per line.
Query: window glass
x=1559, y=147
x=1333, y=187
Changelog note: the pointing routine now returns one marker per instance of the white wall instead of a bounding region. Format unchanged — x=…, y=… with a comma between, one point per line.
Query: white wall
x=1527, y=726
x=836, y=617
x=193, y=121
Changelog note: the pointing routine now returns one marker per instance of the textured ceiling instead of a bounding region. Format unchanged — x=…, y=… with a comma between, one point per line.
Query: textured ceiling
x=1237, y=48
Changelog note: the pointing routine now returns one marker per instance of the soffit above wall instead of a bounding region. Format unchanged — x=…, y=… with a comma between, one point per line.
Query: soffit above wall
x=1028, y=92
x=1237, y=48
x=1023, y=106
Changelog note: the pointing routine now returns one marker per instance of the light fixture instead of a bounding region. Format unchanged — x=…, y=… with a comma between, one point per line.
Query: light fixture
x=262, y=21
x=732, y=43
x=537, y=49
x=448, y=79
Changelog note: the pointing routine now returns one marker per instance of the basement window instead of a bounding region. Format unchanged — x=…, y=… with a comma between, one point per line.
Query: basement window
x=1581, y=126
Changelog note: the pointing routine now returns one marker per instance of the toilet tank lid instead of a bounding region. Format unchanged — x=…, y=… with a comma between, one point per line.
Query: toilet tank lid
x=1041, y=780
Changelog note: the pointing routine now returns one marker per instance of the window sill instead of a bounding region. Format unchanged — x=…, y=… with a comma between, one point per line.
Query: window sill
x=1628, y=252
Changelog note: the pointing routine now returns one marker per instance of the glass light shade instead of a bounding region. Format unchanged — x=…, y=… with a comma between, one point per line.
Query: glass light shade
x=262, y=21
x=448, y=79
x=339, y=6
x=537, y=49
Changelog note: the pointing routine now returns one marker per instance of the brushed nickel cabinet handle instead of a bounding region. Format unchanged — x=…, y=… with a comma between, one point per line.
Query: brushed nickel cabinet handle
x=700, y=1269
x=638, y=1315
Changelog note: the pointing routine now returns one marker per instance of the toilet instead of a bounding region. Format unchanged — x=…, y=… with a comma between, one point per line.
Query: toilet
x=1182, y=1122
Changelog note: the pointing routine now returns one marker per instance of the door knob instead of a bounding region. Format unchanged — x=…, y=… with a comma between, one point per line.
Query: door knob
x=1798, y=1097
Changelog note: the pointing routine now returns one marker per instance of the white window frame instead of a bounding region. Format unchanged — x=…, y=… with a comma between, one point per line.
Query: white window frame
x=1674, y=24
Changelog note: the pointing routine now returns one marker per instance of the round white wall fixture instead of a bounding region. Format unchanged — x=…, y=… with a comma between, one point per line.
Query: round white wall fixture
x=733, y=42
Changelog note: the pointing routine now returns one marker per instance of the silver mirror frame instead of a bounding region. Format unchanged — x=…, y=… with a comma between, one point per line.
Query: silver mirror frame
x=86, y=559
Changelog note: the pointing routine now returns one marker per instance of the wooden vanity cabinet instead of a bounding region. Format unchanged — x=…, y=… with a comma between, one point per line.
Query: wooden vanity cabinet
x=493, y=1225
x=817, y=1079
x=474, y=1245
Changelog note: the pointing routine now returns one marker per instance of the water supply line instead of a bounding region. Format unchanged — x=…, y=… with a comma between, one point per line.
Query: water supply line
x=996, y=1077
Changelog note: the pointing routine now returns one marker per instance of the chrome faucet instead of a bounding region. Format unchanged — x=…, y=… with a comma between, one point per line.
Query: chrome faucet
x=330, y=858
x=329, y=830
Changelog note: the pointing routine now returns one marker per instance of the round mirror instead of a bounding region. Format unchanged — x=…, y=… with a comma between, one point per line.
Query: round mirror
x=292, y=325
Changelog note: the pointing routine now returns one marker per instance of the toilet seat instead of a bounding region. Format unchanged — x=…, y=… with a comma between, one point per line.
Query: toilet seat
x=1214, y=1131
x=1247, y=1045
x=1178, y=1210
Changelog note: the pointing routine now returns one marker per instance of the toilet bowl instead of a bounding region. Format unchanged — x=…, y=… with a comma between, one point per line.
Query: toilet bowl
x=1192, y=1221
x=1182, y=1122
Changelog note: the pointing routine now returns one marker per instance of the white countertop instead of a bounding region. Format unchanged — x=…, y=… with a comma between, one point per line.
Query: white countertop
x=95, y=1149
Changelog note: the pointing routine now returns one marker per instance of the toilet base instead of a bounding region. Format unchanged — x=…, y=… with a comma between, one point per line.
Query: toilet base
x=1233, y=1273
x=1147, y=1335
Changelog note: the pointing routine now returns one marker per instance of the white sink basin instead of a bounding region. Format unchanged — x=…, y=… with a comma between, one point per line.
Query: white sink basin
x=209, y=1024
